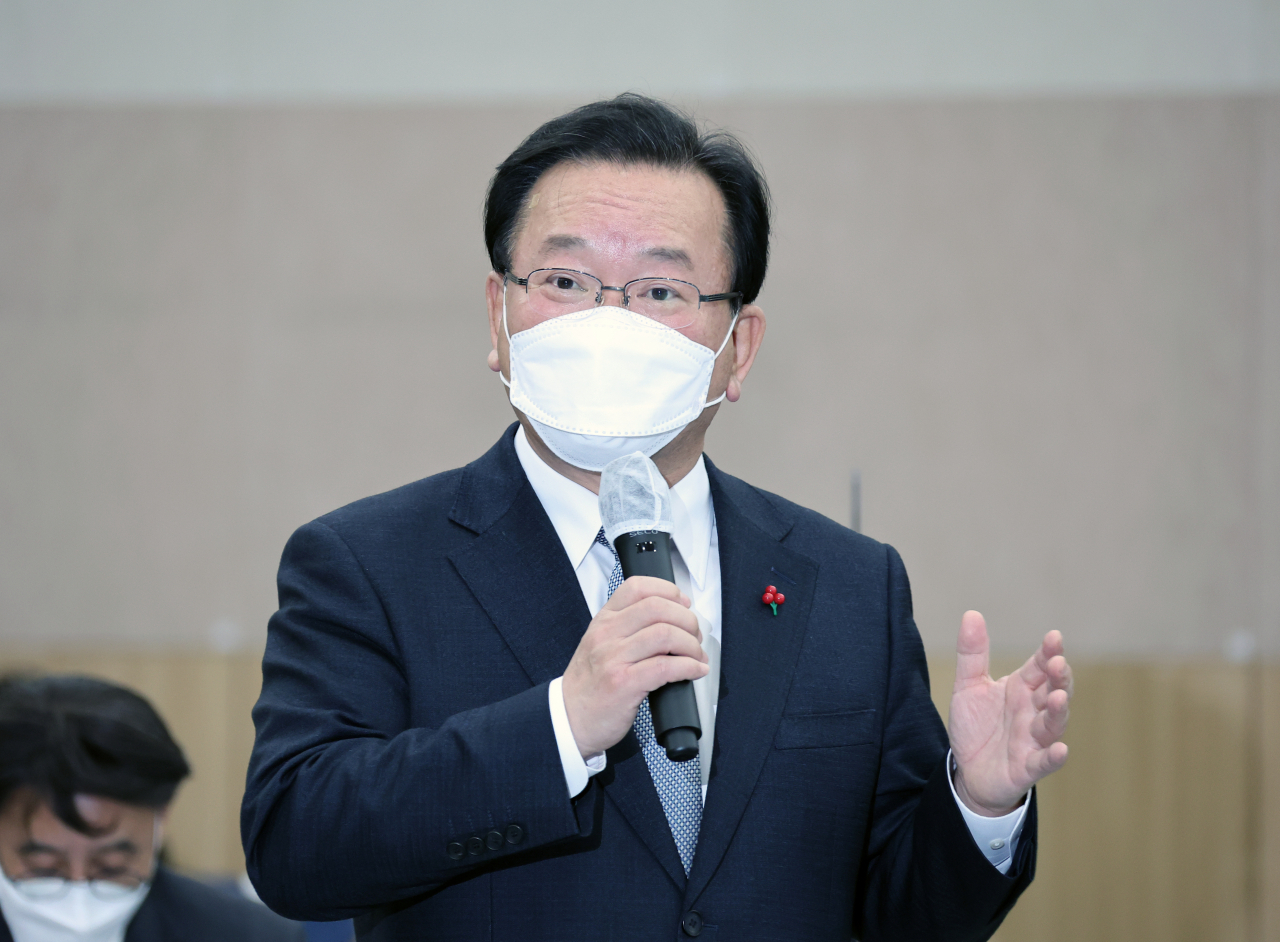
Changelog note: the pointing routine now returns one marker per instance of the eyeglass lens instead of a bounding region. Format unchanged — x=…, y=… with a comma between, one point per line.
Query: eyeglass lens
x=52, y=888
x=556, y=291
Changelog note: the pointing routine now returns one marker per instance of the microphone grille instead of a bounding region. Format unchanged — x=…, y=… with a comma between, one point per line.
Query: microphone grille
x=633, y=496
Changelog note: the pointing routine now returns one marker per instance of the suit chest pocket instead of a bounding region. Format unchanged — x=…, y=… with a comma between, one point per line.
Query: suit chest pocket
x=819, y=730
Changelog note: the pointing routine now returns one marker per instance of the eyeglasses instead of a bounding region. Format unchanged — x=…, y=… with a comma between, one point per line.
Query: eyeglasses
x=551, y=292
x=104, y=887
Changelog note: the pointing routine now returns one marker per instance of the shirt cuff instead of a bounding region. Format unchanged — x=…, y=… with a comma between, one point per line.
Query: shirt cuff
x=577, y=771
x=997, y=838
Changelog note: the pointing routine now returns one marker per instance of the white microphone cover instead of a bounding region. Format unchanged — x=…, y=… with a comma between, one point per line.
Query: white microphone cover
x=633, y=496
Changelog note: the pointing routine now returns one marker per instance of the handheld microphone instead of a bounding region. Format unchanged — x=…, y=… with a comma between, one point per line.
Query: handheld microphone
x=635, y=508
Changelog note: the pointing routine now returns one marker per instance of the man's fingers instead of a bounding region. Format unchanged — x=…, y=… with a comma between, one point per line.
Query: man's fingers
x=642, y=587
x=651, y=611
x=1060, y=676
x=1050, y=724
x=972, y=650
x=658, y=640
x=1036, y=670
x=1046, y=761
x=653, y=673
x=1056, y=677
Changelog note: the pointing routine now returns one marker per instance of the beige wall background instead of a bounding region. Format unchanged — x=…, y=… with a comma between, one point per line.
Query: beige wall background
x=503, y=50
x=1026, y=282
x=1045, y=332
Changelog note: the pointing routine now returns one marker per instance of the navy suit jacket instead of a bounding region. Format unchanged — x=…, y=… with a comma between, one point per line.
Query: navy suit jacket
x=406, y=772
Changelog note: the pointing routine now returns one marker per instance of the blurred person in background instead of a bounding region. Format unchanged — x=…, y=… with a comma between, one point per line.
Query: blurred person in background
x=87, y=772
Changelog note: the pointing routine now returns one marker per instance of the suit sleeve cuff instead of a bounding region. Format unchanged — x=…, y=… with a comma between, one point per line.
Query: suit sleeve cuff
x=997, y=838
x=577, y=771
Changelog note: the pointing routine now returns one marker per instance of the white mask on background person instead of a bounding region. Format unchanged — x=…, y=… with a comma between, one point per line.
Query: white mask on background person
x=84, y=913
x=606, y=382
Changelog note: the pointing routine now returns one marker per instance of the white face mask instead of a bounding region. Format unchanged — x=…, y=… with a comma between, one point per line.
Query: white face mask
x=606, y=382
x=81, y=914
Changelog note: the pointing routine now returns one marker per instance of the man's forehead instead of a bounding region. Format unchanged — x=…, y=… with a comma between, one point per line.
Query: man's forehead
x=27, y=809
x=669, y=215
x=557, y=242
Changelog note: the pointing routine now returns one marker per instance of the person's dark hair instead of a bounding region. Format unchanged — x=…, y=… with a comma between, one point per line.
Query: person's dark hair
x=65, y=735
x=634, y=129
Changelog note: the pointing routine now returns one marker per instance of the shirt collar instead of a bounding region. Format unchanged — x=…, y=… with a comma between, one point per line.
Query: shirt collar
x=575, y=511
x=693, y=519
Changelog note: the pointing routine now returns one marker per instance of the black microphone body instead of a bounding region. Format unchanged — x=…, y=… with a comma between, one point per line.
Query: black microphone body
x=676, y=723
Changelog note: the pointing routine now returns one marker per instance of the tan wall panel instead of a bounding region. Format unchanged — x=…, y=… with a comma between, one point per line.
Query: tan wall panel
x=1143, y=834
x=1268, y=869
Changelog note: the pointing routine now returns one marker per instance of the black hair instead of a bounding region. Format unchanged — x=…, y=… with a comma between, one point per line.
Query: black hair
x=66, y=735
x=635, y=129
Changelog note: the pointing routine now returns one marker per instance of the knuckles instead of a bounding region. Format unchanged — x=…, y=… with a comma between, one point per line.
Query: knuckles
x=641, y=614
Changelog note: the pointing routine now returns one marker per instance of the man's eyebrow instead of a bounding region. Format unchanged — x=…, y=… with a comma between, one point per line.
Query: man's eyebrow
x=35, y=847
x=679, y=256
x=124, y=845
x=561, y=242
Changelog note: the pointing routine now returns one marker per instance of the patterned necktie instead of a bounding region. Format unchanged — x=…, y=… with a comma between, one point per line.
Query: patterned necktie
x=679, y=784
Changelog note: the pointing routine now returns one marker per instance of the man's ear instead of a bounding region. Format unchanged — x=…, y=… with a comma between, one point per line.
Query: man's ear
x=748, y=334
x=161, y=825
x=493, y=289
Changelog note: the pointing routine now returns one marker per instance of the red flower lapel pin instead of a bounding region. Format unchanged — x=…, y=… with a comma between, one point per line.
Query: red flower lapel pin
x=773, y=597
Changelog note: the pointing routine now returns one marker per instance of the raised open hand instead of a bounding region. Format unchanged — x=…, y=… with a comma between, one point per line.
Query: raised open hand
x=1006, y=734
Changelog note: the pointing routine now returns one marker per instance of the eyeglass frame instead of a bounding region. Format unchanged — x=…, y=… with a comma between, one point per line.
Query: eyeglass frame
x=123, y=877
x=508, y=275
x=64, y=884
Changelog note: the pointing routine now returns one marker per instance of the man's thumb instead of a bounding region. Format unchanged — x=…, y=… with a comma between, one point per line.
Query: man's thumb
x=972, y=650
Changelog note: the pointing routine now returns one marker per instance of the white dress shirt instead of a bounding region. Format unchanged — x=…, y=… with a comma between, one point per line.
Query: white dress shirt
x=575, y=514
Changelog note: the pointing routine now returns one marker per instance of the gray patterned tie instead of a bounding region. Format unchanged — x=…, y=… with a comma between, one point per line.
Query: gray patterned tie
x=679, y=784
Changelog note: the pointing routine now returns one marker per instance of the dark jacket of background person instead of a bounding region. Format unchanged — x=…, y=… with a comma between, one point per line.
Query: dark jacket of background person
x=178, y=909
x=404, y=715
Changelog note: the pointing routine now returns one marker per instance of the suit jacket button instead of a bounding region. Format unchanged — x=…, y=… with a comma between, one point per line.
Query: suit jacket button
x=692, y=923
x=475, y=846
x=515, y=834
x=455, y=851
x=493, y=839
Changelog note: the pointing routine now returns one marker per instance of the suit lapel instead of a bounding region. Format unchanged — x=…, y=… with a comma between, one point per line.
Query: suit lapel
x=519, y=573
x=628, y=784
x=758, y=657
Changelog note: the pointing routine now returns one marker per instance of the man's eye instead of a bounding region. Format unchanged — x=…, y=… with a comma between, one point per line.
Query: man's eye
x=662, y=293
x=560, y=284
x=42, y=873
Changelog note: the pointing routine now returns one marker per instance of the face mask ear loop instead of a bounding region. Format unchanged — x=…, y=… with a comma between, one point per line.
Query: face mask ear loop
x=505, y=330
x=732, y=324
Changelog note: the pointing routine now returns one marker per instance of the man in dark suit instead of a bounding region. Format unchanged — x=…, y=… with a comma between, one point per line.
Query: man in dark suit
x=87, y=770
x=454, y=739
